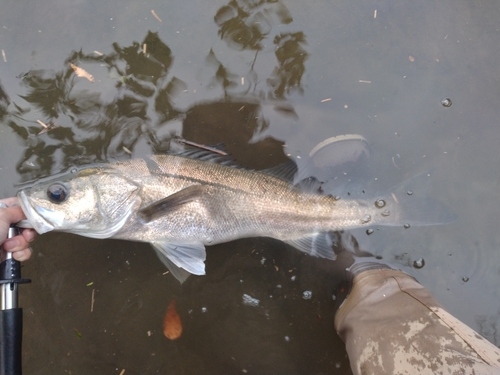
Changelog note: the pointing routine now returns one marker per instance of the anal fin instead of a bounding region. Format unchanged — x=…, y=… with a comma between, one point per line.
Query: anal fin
x=319, y=245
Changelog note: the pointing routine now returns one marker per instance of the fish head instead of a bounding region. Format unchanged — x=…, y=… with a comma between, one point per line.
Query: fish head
x=92, y=202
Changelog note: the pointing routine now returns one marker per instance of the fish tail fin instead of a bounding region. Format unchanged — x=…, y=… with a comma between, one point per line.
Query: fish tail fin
x=408, y=203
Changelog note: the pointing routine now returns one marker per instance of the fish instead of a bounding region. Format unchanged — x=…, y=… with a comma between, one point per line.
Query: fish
x=181, y=203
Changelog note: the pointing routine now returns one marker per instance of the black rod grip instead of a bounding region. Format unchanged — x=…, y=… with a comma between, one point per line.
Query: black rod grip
x=11, y=336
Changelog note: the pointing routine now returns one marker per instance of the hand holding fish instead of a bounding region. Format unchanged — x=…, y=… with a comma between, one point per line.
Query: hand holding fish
x=10, y=213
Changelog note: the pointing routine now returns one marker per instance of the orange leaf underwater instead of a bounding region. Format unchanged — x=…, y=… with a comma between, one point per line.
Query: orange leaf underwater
x=172, y=325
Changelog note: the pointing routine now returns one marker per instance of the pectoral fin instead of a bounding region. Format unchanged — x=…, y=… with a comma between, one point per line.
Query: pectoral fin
x=167, y=205
x=182, y=259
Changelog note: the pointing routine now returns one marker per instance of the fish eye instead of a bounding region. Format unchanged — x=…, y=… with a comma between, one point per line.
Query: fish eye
x=57, y=192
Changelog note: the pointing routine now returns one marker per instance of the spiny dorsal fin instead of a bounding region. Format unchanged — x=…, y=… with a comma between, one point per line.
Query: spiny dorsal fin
x=209, y=156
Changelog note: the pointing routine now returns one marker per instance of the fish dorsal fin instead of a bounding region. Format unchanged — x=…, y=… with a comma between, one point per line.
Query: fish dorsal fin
x=182, y=259
x=209, y=156
x=310, y=184
x=319, y=245
x=166, y=205
x=286, y=171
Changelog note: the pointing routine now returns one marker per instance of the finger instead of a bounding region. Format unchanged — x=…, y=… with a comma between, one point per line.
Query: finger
x=29, y=234
x=16, y=243
x=9, y=202
x=22, y=255
x=9, y=216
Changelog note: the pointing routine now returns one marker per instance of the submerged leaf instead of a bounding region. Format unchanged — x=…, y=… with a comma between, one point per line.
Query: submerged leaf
x=172, y=325
x=77, y=333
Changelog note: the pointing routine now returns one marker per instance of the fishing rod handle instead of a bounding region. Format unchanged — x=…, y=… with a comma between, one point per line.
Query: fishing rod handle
x=10, y=275
x=11, y=317
x=8, y=271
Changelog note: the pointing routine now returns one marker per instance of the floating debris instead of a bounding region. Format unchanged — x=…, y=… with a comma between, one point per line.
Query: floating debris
x=47, y=128
x=155, y=15
x=92, y=300
x=203, y=147
x=172, y=325
x=82, y=73
x=250, y=301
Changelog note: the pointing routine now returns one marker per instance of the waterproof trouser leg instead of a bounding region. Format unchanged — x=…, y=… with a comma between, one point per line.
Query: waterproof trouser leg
x=393, y=325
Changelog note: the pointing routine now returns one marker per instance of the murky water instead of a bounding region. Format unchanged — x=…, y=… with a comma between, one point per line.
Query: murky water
x=267, y=79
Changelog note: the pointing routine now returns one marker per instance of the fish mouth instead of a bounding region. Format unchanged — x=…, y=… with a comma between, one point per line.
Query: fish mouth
x=36, y=218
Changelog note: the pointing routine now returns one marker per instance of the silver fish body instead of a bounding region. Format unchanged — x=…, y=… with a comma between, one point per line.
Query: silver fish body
x=181, y=204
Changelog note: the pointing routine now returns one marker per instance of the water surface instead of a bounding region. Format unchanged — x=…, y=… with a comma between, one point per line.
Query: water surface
x=268, y=79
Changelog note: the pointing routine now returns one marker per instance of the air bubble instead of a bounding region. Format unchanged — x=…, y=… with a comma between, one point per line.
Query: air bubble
x=307, y=294
x=465, y=279
x=369, y=231
x=409, y=192
x=406, y=226
x=379, y=203
x=419, y=263
x=366, y=219
x=446, y=102
x=386, y=213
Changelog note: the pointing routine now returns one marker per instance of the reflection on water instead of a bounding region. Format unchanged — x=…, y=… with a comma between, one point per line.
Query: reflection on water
x=90, y=123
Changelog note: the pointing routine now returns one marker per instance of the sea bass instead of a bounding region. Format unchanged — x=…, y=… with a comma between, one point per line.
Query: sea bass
x=180, y=204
